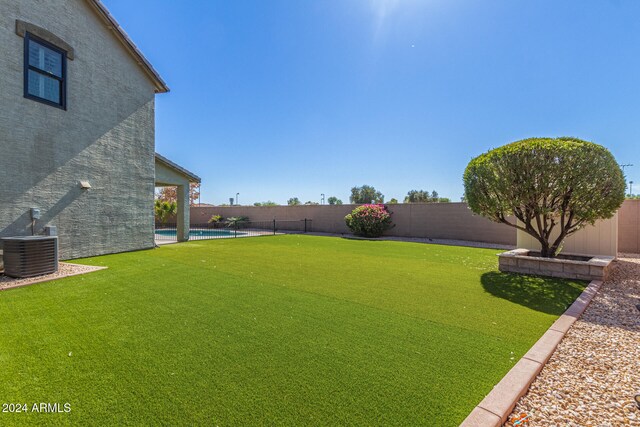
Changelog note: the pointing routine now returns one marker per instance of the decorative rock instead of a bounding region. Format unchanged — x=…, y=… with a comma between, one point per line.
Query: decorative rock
x=65, y=269
x=593, y=375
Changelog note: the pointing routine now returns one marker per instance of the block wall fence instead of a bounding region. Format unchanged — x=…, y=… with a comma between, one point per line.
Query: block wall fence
x=434, y=220
x=629, y=227
x=598, y=239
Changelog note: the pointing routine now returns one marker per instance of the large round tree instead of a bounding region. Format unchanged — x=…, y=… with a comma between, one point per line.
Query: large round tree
x=552, y=185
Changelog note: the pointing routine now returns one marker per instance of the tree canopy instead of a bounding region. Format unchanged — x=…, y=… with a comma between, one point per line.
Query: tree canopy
x=164, y=210
x=365, y=194
x=422, y=196
x=170, y=194
x=552, y=185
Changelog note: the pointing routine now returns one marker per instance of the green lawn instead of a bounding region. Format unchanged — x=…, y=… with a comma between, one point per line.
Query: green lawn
x=284, y=330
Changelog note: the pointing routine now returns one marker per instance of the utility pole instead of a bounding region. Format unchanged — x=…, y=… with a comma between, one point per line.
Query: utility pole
x=322, y=199
x=627, y=165
x=631, y=187
x=237, y=194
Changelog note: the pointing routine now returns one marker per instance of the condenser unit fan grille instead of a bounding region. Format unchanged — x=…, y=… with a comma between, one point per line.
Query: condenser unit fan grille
x=30, y=256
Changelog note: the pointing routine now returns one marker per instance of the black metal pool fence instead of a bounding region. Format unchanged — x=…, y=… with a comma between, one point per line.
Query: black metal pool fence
x=227, y=229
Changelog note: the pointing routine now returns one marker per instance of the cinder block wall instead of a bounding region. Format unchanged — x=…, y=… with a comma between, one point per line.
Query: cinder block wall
x=106, y=137
x=433, y=220
x=438, y=220
x=598, y=239
x=629, y=227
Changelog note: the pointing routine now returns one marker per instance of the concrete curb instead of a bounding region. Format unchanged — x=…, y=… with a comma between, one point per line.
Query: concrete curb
x=495, y=408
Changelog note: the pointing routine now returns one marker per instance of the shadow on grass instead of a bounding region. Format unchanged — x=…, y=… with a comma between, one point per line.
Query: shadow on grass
x=548, y=295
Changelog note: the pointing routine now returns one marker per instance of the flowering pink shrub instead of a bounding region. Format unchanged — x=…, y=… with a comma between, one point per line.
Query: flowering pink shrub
x=369, y=220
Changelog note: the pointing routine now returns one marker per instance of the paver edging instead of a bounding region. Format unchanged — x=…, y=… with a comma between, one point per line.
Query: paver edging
x=519, y=261
x=495, y=408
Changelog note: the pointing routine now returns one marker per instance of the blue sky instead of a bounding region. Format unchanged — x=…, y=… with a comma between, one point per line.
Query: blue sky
x=274, y=99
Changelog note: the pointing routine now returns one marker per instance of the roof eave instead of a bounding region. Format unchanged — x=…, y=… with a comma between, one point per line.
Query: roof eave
x=112, y=24
x=176, y=167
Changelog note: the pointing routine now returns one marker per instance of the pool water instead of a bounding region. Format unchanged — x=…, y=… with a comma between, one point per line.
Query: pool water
x=201, y=233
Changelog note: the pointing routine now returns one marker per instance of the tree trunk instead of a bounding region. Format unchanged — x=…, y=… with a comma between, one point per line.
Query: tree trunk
x=546, y=251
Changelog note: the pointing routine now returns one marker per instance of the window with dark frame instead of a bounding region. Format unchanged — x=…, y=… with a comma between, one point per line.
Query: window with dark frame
x=45, y=69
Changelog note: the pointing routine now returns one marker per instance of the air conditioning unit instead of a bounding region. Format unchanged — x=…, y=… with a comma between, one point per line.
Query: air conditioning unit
x=28, y=256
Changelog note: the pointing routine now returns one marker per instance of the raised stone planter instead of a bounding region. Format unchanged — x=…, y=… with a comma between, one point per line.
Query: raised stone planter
x=520, y=261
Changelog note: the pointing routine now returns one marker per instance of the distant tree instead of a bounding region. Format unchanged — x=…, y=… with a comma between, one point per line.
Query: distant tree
x=463, y=199
x=418, y=196
x=294, y=201
x=444, y=200
x=170, y=194
x=365, y=194
x=267, y=203
x=333, y=200
x=557, y=185
x=311, y=203
x=163, y=210
x=434, y=196
x=393, y=201
x=214, y=219
x=194, y=193
x=236, y=221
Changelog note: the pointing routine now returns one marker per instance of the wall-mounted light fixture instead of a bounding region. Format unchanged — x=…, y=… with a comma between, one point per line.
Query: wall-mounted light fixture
x=85, y=185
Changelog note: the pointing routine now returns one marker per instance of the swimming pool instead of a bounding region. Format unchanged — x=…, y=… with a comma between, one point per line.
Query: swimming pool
x=198, y=232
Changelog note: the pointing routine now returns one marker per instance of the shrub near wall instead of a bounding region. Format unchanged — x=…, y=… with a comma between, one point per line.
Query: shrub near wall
x=369, y=220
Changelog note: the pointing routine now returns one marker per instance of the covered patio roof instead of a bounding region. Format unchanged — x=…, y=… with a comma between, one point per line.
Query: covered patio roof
x=172, y=173
x=169, y=174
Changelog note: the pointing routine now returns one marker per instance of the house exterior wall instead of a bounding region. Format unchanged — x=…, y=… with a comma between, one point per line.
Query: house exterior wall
x=433, y=220
x=106, y=137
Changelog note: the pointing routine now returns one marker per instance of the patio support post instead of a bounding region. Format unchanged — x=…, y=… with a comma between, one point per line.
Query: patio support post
x=183, y=213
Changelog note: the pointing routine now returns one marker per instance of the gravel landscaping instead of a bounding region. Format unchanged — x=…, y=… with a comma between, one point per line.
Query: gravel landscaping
x=65, y=269
x=592, y=377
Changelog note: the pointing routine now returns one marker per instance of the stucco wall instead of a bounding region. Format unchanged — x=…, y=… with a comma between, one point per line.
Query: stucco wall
x=106, y=137
x=629, y=227
x=434, y=220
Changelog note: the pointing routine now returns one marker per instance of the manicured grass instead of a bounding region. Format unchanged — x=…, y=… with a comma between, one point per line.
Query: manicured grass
x=284, y=330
